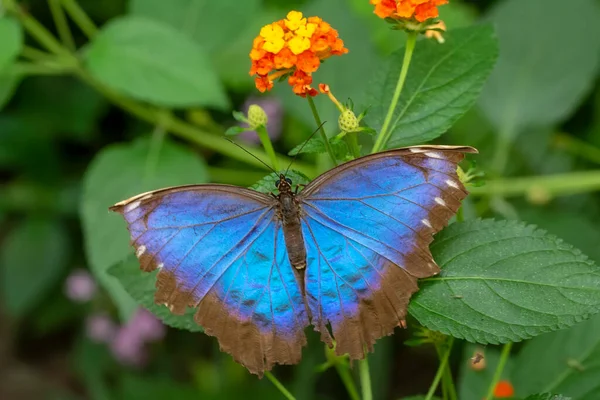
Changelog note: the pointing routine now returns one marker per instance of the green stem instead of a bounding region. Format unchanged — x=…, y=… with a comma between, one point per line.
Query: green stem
x=344, y=373
x=505, y=137
x=279, y=386
x=552, y=185
x=578, y=147
x=499, y=369
x=385, y=133
x=24, y=69
x=365, y=379
x=34, y=54
x=441, y=369
x=324, y=137
x=37, y=30
x=62, y=26
x=263, y=135
x=80, y=18
x=352, y=141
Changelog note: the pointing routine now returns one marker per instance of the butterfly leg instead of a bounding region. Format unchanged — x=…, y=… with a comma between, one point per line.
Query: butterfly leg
x=298, y=187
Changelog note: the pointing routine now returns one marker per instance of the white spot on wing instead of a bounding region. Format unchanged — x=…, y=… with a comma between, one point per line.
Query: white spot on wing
x=426, y=223
x=415, y=150
x=160, y=266
x=451, y=183
x=433, y=154
x=440, y=201
x=132, y=206
x=140, y=250
x=146, y=197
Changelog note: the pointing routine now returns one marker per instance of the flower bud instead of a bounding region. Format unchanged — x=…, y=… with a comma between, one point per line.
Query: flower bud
x=257, y=116
x=348, y=121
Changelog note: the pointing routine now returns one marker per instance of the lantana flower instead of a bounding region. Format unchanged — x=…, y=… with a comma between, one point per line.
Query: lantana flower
x=419, y=10
x=293, y=47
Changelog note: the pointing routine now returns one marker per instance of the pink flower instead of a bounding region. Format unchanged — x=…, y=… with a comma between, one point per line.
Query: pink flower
x=149, y=327
x=100, y=328
x=80, y=286
x=128, y=347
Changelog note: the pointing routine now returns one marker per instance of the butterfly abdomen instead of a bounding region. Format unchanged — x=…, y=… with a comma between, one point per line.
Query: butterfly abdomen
x=292, y=230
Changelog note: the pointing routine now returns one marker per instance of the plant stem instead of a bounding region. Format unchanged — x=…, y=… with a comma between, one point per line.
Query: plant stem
x=37, y=30
x=441, y=369
x=352, y=141
x=279, y=386
x=577, y=147
x=552, y=185
x=234, y=176
x=385, y=133
x=344, y=373
x=499, y=369
x=80, y=18
x=62, y=26
x=25, y=69
x=324, y=137
x=263, y=135
x=365, y=379
x=156, y=141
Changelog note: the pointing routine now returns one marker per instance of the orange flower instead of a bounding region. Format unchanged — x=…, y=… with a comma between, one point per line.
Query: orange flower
x=420, y=10
x=293, y=47
x=504, y=390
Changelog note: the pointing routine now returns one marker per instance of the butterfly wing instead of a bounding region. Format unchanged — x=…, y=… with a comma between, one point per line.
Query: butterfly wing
x=367, y=225
x=220, y=248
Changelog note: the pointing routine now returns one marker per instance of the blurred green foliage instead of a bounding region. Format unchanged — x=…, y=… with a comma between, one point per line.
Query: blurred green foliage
x=142, y=103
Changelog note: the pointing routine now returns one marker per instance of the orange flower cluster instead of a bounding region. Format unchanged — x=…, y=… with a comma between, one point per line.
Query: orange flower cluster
x=294, y=46
x=420, y=10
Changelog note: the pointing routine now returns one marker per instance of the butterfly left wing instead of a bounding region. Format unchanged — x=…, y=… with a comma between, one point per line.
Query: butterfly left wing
x=367, y=225
x=221, y=249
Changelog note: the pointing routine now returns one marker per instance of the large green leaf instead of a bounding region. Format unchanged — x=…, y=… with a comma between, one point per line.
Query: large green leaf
x=32, y=260
x=154, y=62
x=213, y=24
x=141, y=286
x=505, y=281
x=118, y=172
x=443, y=83
x=566, y=362
x=544, y=68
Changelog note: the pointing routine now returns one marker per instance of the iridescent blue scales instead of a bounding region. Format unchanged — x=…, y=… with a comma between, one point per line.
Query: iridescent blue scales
x=343, y=255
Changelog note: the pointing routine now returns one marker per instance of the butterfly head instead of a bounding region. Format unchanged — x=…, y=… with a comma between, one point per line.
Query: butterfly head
x=283, y=184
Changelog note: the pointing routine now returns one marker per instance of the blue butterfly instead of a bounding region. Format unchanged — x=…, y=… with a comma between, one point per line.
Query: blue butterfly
x=344, y=254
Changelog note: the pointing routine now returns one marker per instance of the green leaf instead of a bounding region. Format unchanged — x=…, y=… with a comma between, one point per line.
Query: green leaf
x=118, y=172
x=234, y=130
x=8, y=86
x=213, y=24
x=443, y=83
x=34, y=255
x=505, y=281
x=547, y=396
x=315, y=145
x=267, y=184
x=154, y=62
x=141, y=286
x=12, y=40
x=565, y=362
x=536, y=48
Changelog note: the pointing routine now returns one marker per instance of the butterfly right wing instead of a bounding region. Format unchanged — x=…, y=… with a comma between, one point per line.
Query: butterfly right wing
x=221, y=248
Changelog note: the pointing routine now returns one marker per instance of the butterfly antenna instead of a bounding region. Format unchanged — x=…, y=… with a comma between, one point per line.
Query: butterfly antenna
x=303, y=144
x=241, y=147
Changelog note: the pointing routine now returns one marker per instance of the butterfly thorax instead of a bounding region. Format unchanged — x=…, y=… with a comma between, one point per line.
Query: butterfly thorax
x=289, y=212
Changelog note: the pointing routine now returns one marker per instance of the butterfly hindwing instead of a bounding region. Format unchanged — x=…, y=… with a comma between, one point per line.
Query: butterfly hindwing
x=367, y=226
x=221, y=249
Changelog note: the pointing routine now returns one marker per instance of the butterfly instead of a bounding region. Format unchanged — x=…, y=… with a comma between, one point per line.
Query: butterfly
x=344, y=254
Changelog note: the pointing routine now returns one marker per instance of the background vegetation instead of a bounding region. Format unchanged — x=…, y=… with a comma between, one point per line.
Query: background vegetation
x=136, y=112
